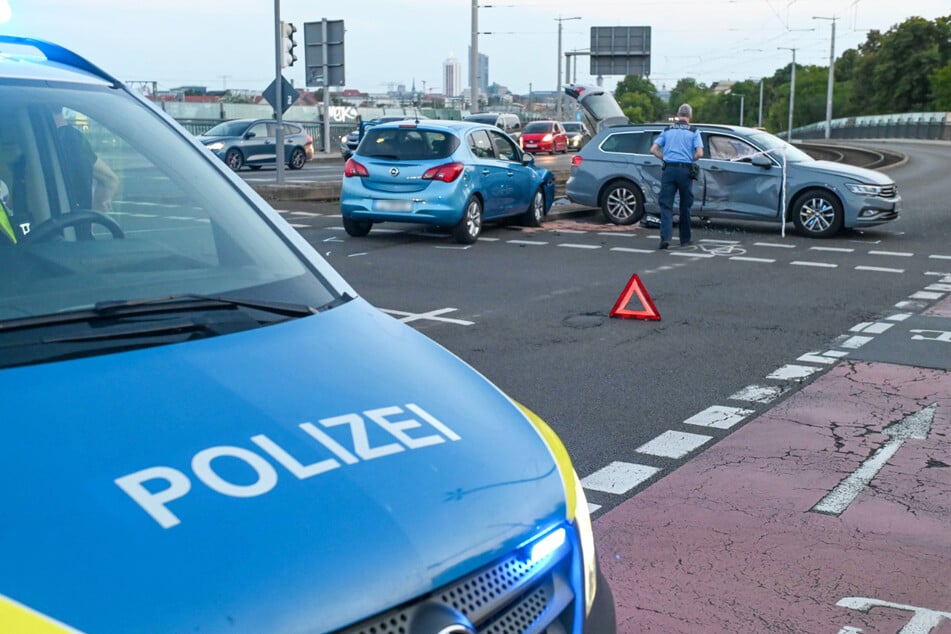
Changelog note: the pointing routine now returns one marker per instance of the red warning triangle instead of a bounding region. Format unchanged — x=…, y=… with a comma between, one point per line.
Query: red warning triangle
x=634, y=286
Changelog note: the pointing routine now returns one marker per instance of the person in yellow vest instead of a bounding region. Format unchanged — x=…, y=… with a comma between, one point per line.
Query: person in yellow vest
x=6, y=226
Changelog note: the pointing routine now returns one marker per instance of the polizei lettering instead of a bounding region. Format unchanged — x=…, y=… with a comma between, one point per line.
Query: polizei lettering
x=410, y=427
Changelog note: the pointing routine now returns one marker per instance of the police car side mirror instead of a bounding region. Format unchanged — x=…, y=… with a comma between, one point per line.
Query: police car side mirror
x=761, y=161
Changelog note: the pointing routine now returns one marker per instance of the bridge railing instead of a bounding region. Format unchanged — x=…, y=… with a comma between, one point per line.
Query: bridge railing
x=935, y=126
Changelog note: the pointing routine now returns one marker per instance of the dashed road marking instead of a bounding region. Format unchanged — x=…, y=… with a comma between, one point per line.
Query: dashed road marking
x=719, y=417
x=740, y=258
x=673, y=444
x=630, y=250
x=835, y=249
x=878, y=269
x=527, y=242
x=618, y=477
x=775, y=245
x=825, y=265
x=758, y=394
x=873, y=327
x=579, y=246
x=854, y=343
x=793, y=372
x=900, y=254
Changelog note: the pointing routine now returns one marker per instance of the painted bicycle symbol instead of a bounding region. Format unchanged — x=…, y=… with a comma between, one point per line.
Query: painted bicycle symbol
x=719, y=248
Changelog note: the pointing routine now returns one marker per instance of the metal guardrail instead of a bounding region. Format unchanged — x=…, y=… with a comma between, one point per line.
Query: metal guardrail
x=934, y=126
x=315, y=130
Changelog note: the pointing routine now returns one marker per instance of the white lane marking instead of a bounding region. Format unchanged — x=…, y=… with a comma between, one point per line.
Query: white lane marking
x=740, y=258
x=615, y=234
x=433, y=315
x=627, y=250
x=758, y=394
x=913, y=427
x=875, y=328
x=773, y=244
x=719, y=417
x=527, y=242
x=853, y=343
x=673, y=444
x=485, y=239
x=926, y=295
x=899, y=317
x=899, y=254
x=815, y=357
x=693, y=254
x=792, y=372
x=878, y=269
x=580, y=246
x=309, y=214
x=836, y=249
x=297, y=226
x=593, y=507
x=618, y=477
x=571, y=231
x=942, y=288
x=825, y=265
x=940, y=257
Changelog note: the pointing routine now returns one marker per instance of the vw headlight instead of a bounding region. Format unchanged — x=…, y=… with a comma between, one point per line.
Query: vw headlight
x=865, y=190
x=217, y=146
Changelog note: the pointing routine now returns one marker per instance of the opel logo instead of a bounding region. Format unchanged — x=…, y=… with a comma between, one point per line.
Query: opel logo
x=394, y=171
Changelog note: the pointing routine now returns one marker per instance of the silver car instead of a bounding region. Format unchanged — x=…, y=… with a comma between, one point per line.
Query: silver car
x=746, y=174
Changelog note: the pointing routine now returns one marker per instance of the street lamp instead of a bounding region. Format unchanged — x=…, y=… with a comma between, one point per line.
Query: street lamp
x=558, y=90
x=831, y=75
x=792, y=91
x=741, y=107
x=474, y=60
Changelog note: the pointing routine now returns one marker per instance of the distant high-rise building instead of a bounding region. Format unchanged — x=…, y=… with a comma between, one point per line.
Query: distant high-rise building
x=483, y=69
x=452, y=76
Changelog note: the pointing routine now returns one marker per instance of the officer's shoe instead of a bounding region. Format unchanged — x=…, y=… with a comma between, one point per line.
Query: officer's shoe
x=663, y=245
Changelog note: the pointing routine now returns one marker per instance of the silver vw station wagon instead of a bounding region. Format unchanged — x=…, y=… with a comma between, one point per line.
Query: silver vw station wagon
x=746, y=174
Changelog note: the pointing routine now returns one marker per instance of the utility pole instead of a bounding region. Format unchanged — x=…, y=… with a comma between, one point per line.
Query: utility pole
x=474, y=60
x=278, y=92
x=831, y=76
x=558, y=90
x=792, y=92
x=741, y=107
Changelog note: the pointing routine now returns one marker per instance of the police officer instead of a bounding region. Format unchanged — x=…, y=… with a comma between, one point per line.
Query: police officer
x=678, y=147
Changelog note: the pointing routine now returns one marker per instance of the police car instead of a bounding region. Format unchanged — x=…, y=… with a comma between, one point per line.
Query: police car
x=205, y=429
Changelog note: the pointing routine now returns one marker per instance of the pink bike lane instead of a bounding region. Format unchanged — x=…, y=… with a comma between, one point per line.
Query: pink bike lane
x=830, y=512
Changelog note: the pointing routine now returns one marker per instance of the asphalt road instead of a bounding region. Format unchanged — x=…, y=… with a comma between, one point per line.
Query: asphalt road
x=530, y=310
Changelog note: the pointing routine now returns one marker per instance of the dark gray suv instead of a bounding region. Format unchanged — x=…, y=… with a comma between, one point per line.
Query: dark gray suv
x=746, y=174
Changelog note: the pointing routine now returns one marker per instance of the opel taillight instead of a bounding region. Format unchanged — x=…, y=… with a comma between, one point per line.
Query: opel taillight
x=352, y=168
x=445, y=173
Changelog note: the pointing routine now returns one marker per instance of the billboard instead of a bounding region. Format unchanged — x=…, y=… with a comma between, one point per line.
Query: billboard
x=621, y=50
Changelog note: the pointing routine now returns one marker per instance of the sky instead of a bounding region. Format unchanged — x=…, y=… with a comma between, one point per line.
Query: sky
x=229, y=44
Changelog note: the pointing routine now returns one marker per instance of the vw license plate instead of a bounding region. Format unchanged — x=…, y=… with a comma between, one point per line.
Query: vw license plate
x=393, y=205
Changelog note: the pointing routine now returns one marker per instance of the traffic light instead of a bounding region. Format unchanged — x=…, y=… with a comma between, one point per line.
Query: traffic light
x=288, y=57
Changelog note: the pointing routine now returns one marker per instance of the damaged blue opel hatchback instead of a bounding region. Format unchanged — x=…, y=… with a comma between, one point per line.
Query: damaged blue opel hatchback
x=207, y=430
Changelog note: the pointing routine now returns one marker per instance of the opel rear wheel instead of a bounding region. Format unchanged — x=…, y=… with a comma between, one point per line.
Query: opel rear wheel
x=622, y=203
x=469, y=227
x=356, y=228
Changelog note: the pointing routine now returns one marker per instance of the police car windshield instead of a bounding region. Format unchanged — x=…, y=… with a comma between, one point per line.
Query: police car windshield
x=103, y=201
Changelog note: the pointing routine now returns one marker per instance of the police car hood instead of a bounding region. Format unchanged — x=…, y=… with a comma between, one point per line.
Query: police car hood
x=297, y=477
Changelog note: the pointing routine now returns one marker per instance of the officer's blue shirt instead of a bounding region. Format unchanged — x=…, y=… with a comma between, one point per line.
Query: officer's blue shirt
x=678, y=142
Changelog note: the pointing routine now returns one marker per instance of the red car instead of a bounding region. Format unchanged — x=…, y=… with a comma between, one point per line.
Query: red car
x=544, y=136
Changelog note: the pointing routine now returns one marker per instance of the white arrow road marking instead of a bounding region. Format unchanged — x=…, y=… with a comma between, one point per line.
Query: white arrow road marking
x=923, y=620
x=917, y=426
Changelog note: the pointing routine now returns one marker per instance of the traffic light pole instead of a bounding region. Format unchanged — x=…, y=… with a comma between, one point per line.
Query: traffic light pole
x=279, y=92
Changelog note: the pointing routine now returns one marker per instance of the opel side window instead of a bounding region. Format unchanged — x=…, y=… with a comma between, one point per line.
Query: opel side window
x=504, y=149
x=480, y=145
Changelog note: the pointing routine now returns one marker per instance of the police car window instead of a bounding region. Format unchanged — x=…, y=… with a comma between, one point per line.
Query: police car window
x=730, y=148
x=103, y=202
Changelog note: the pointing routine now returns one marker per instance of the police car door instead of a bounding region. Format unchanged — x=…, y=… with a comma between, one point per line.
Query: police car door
x=733, y=184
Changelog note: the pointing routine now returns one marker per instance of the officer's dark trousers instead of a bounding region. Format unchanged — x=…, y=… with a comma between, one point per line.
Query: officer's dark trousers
x=675, y=179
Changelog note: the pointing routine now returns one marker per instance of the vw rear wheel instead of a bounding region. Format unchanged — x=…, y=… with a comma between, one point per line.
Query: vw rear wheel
x=622, y=203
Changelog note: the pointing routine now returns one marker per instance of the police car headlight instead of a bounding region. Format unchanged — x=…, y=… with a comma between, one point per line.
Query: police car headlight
x=586, y=538
x=214, y=147
x=865, y=190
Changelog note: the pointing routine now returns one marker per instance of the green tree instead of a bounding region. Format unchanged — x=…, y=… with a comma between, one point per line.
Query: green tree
x=941, y=88
x=638, y=98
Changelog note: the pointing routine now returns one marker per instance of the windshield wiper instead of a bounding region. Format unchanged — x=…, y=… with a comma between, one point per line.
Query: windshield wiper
x=105, y=310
